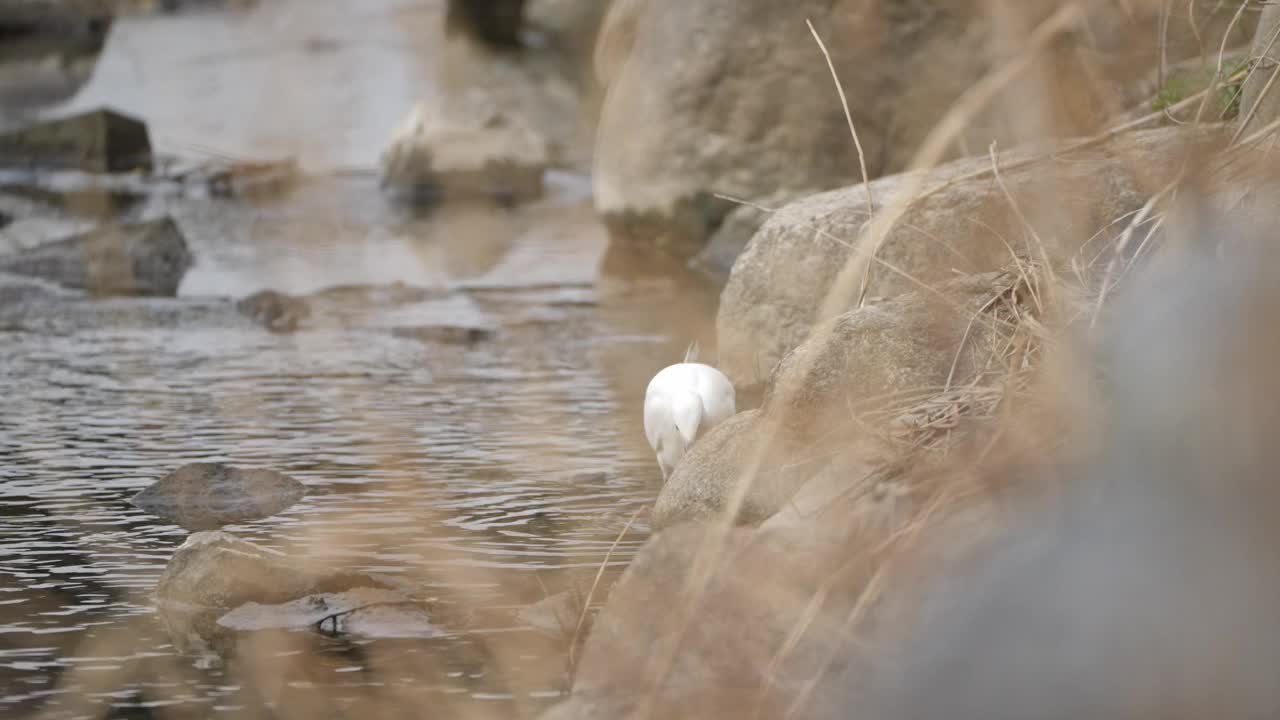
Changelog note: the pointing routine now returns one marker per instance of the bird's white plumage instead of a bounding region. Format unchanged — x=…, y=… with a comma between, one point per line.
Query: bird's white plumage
x=681, y=402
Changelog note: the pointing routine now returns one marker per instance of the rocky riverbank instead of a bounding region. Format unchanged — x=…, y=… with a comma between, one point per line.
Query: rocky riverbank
x=940, y=351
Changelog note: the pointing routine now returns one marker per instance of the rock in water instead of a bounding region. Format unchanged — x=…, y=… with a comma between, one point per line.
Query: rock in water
x=98, y=141
x=555, y=615
x=219, y=570
x=494, y=157
x=148, y=258
x=496, y=22
x=206, y=496
x=275, y=311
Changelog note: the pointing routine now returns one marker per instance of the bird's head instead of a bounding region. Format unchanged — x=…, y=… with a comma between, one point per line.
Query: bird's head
x=677, y=429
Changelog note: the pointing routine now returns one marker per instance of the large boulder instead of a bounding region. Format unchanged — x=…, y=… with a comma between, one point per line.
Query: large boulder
x=751, y=108
x=829, y=400
x=709, y=623
x=715, y=261
x=961, y=220
x=147, y=258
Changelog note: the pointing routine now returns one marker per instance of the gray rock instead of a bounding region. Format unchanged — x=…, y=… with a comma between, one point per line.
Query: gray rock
x=964, y=223
x=817, y=419
x=218, y=570
x=497, y=22
x=433, y=158
x=96, y=141
x=206, y=496
x=751, y=107
x=49, y=309
x=276, y=311
x=148, y=258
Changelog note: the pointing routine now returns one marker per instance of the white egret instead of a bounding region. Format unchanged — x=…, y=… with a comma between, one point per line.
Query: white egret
x=683, y=401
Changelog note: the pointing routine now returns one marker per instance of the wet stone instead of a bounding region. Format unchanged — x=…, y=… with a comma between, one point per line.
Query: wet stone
x=206, y=496
x=496, y=22
x=148, y=259
x=444, y=334
x=218, y=570
x=276, y=311
x=101, y=141
x=556, y=614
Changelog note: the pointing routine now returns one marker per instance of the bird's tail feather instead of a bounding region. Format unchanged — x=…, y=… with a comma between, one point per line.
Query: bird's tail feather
x=691, y=355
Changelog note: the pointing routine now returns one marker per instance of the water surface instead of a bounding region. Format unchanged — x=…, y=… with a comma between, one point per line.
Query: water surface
x=484, y=474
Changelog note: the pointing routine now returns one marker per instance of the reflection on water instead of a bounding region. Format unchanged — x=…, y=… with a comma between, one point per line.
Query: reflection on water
x=487, y=474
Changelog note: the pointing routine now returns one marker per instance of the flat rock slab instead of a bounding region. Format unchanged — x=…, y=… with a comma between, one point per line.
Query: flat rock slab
x=148, y=258
x=100, y=141
x=368, y=612
x=207, y=496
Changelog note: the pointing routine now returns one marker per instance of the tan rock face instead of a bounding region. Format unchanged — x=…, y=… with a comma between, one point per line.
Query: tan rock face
x=734, y=97
x=962, y=221
x=817, y=418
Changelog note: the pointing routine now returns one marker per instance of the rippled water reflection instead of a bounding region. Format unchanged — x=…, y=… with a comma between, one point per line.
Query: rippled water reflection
x=485, y=474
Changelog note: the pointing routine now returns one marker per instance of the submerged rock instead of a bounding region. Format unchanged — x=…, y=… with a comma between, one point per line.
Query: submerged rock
x=495, y=157
x=147, y=258
x=206, y=496
x=276, y=311
x=716, y=652
x=751, y=108
x=444, y=334
x=555, y=615
x=218, y=570
x=97, y=141
x=497, y=22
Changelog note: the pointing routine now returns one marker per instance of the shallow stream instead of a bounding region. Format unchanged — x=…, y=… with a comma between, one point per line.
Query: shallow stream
x=488, y=473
